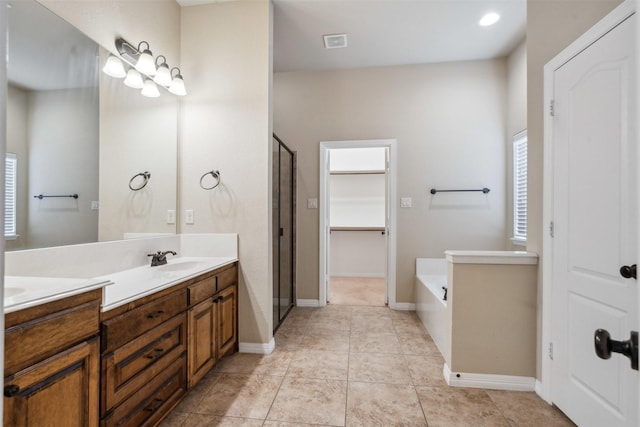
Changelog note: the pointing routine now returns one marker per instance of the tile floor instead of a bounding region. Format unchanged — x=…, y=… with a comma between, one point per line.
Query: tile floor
x=357, y=291
x=350, y=366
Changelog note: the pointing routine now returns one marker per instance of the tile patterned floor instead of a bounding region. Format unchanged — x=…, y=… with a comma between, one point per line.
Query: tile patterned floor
x=351, y=366
x=369, y=291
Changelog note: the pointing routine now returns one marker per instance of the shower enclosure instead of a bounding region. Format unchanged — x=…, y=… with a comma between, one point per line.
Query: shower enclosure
x=284, y=228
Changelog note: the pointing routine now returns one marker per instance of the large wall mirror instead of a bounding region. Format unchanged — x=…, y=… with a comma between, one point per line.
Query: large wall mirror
x=72, y=130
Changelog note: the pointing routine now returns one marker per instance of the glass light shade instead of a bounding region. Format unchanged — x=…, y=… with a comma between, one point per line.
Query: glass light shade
x=150, y=89
x=489, y=19
x=146, y=64
x=134, y=79
x=114, y=67
x=163, y=76
x=177, y=86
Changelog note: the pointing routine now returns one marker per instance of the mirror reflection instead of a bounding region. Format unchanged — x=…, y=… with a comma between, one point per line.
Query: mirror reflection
x=73, y=130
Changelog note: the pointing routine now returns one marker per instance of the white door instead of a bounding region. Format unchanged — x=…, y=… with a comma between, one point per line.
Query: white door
x=595, y=217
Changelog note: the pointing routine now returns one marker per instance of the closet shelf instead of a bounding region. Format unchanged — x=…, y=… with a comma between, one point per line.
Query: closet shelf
x=361, y=172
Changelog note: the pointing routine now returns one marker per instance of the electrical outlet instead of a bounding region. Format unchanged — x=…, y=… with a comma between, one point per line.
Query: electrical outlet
x=171, y=216
x=406, y=202
x=188, y=217
x=312, y=203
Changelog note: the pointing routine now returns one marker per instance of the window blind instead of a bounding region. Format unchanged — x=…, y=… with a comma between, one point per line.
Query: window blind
x=520, y=186
x=11, y=166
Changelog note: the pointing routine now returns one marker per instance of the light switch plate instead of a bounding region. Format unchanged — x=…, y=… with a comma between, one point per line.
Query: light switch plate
x=406, y=202
x=188, y=216
x=171, y=216
x=95, y=205
x=312, y=203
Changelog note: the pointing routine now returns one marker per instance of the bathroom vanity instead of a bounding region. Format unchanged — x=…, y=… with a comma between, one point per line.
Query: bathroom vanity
x=120, y=349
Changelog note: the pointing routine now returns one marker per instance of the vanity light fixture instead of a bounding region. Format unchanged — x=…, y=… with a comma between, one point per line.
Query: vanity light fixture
x=145, y=71
x=163, y=75
x=177, y=83
x=145, y=63
x=134, y=79
x=114, y=67
x=150, y=90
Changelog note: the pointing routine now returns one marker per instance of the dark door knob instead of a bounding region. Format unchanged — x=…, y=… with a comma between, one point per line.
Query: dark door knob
x=11, y=390
x=628, y=271
x=605, y=346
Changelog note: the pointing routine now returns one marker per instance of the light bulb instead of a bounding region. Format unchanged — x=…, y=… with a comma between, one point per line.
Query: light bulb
x=134, y=79
x=150, y=89
x=146, y=64
x=489, y=19
x=163, y=75
x=114, y=67
x=177, y=84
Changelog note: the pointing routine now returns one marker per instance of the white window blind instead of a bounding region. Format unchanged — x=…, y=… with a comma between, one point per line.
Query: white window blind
x=520, y=187
x=11, y=170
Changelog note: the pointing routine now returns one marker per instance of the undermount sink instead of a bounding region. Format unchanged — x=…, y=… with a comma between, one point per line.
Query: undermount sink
x=179, y=266
x=12, y=292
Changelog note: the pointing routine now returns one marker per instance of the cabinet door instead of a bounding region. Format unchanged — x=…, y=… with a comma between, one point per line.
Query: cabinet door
x=227, y=321
x=62, y=390
x=202, y=339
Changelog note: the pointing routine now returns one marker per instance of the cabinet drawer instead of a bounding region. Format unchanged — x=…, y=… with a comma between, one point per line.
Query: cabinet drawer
x=131, y=366
x=228, y=277
x=125, y=327
x=151, y=403
x=34, y=340
x=202, y=290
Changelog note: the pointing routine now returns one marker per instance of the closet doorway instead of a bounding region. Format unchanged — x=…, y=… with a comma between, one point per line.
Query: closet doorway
x=284, y=230
x=357, y=222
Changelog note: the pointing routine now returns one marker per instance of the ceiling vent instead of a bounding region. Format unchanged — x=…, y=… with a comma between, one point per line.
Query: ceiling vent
x=334, y=41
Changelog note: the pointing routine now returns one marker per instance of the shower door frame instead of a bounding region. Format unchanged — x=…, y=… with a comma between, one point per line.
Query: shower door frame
x=292, y=240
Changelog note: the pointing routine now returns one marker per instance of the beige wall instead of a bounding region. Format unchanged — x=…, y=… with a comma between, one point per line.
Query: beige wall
x=551, y=26
x=450, y=123
x=62, y=136
x=137, y=134
x=157, y=22
x=492, y=312
x=225, y=125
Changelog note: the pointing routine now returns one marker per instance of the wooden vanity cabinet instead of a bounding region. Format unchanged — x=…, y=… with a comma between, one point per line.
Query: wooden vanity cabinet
x=212, y=324
x=52, y=363
x=144, y=359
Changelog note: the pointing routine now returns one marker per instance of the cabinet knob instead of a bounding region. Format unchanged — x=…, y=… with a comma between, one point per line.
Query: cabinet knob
x=11, y=390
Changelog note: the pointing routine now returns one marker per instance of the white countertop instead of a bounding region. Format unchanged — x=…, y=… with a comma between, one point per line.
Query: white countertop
x=491, y=257
x=22, y=292
x=129, y=285
x=118, y=288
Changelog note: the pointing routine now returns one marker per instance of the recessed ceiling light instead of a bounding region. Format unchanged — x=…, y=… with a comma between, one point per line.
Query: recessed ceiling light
x=334, y=41
x=489, y=19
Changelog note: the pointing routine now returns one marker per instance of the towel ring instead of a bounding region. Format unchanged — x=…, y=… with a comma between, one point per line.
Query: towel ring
x=145, y=176
x=215, y=175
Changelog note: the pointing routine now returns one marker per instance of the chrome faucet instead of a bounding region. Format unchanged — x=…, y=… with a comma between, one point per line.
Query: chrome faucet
x=160, y=258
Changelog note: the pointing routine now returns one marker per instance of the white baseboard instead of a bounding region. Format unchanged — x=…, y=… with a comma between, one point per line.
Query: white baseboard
x=363, y=275
x=403, y=306
x=489, y=381
x=540, y=392
x=308, y=303
x=257, y=348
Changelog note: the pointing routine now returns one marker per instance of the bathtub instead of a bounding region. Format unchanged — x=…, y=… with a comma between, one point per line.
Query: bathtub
x=431, y=277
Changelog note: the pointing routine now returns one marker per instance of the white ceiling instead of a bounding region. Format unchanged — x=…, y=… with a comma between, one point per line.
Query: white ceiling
x=392, y=32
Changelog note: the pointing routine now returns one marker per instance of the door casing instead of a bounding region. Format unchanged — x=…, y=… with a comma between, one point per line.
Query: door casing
x=324, y=208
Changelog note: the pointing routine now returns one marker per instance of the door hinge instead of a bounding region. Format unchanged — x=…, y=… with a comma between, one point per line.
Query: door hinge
x=551, y=350
x=552, y=108
x=551, y=229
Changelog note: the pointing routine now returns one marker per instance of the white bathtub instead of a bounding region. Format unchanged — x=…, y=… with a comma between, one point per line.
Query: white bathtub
x=431, y=277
